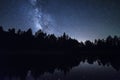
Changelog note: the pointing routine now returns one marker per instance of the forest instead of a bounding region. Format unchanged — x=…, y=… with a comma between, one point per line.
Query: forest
x=13, y=40
x=51, y=52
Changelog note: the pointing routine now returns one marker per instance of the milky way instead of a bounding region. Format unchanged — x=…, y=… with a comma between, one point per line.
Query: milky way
x=41, y=19
x=80, y=19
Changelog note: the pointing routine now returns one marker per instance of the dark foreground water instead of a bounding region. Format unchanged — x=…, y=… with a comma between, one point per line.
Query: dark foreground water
x=59, y=67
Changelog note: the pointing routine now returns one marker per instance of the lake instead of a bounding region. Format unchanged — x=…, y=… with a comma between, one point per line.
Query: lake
x=59, y=67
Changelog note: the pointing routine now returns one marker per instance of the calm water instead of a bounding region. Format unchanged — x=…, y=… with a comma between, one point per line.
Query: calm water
x=59, y=68
x=84, y=71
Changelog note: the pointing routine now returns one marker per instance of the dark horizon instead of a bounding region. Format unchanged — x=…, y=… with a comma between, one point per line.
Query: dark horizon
x=20, y=41
x=33, y=33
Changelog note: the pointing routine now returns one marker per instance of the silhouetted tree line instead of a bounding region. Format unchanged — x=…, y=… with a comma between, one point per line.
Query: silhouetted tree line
x=41, y=41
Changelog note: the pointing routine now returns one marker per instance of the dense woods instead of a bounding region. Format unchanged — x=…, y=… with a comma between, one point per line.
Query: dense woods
x=17, y=42
x=41, y=41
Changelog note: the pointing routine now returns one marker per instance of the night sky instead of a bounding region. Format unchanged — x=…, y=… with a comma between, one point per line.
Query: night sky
x=81, y=19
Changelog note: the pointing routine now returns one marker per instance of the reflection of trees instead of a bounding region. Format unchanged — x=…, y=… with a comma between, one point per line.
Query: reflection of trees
x=38, y=64
x=12, y=41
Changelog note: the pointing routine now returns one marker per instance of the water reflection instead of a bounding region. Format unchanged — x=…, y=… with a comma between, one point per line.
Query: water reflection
x=59, y=67
x=84, y=71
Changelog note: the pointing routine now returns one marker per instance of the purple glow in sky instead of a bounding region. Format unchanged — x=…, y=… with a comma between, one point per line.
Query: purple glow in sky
x=80, y=19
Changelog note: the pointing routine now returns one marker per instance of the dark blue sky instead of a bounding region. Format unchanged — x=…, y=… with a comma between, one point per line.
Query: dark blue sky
x=81, y=19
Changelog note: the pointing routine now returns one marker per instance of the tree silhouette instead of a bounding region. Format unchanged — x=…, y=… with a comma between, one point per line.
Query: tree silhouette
x=41, y=41
x=1, y=29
